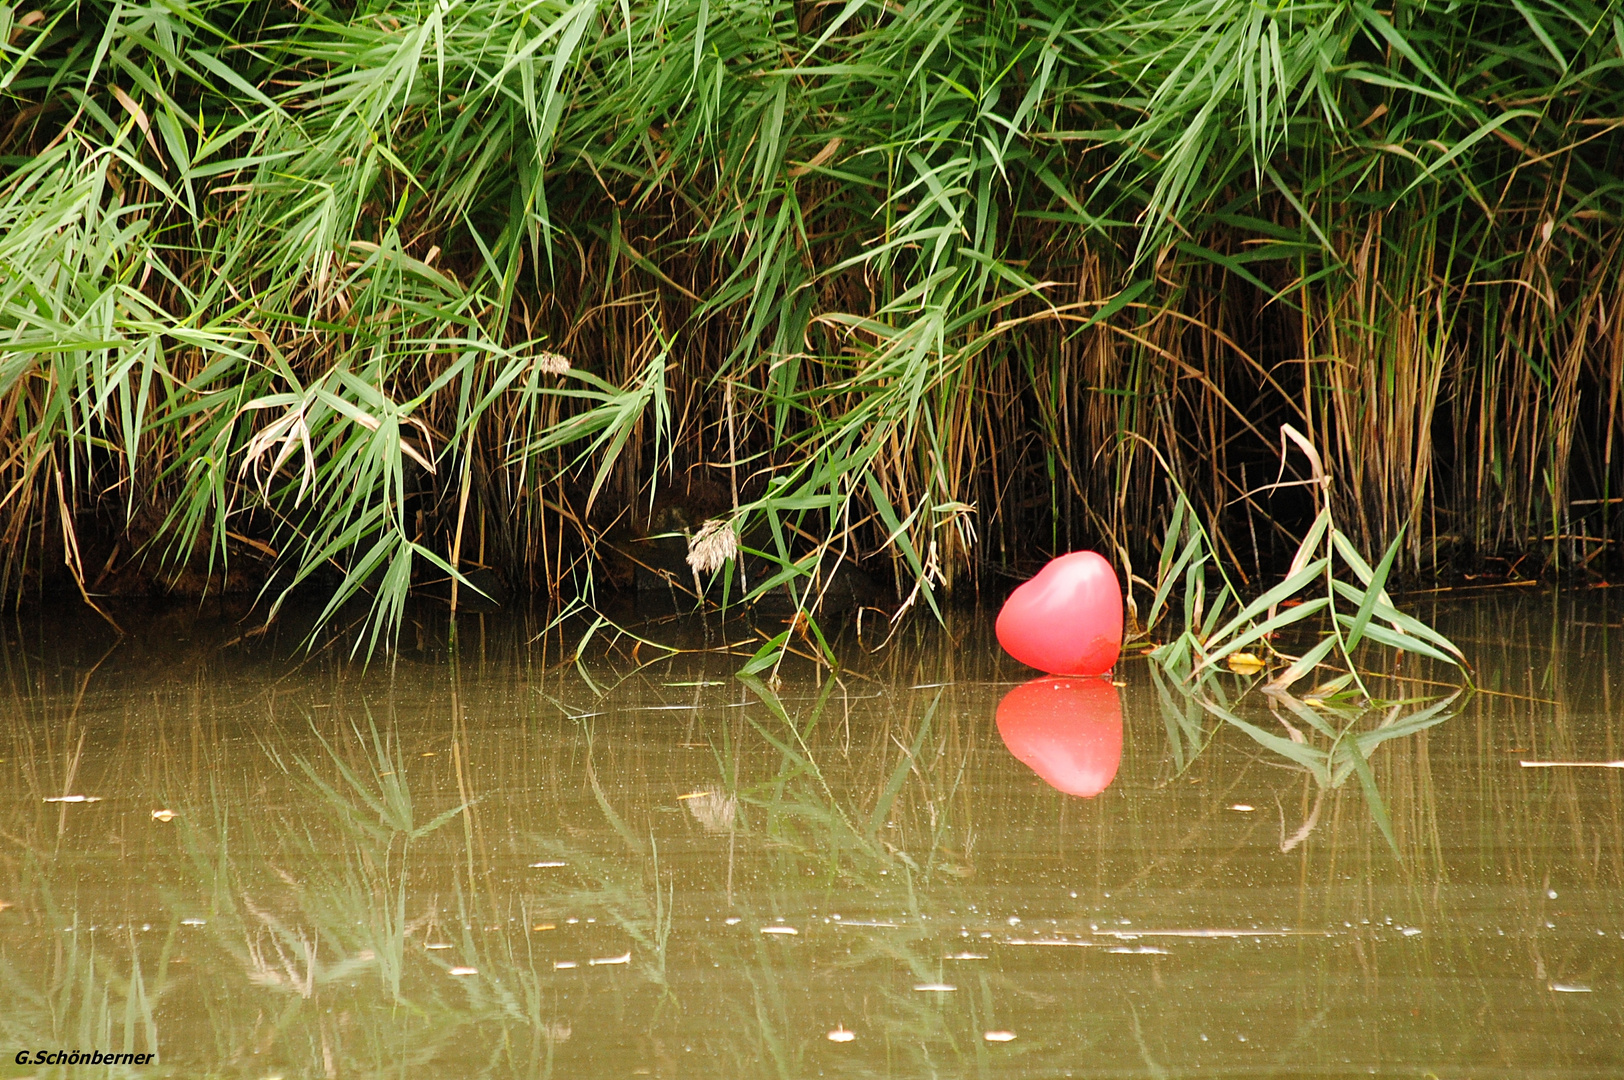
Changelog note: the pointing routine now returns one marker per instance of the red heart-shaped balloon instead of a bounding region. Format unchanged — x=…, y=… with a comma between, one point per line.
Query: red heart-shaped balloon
x=1068, y=619
x=1069, y=731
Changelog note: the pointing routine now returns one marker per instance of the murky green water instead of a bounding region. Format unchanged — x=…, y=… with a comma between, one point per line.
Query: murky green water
x=475, y=862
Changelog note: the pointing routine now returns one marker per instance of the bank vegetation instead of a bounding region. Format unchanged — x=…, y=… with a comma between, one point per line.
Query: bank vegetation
x=373, y=296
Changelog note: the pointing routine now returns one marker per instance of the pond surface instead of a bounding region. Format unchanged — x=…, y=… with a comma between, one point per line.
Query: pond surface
x=475, y=860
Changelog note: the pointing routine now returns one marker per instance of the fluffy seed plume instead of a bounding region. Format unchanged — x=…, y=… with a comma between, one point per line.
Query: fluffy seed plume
x=551, y=363
x=714, y=544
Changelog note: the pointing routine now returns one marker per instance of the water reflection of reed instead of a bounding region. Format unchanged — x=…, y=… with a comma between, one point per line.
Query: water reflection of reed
x=350, y=840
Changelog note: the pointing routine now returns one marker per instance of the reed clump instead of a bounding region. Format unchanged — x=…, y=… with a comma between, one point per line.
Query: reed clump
x=379, y=293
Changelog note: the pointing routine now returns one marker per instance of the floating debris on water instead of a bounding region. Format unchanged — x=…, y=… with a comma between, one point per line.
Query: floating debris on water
x=560, y=965
x=464, y=971
x=163, y=815
x=74, y=798
x=1142, y=950
x=786, y=930
x=623, y=958
x=878, y=925
x=1570, y=988
x=1244, y=663
x=965, y=956
x=999, y=1036
x=840, y=1034
x=935, y=988
x=192, y=922
x=1411, y=931
x=436, y=945
x=1572, y=764
x=1053, y=941
x=541, y=926
x=1129, y=935
x=733, y=920
x=1243, y=808
x=547, y=863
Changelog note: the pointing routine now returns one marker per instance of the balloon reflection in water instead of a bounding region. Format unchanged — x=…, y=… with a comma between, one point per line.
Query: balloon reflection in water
x=1069, y=731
